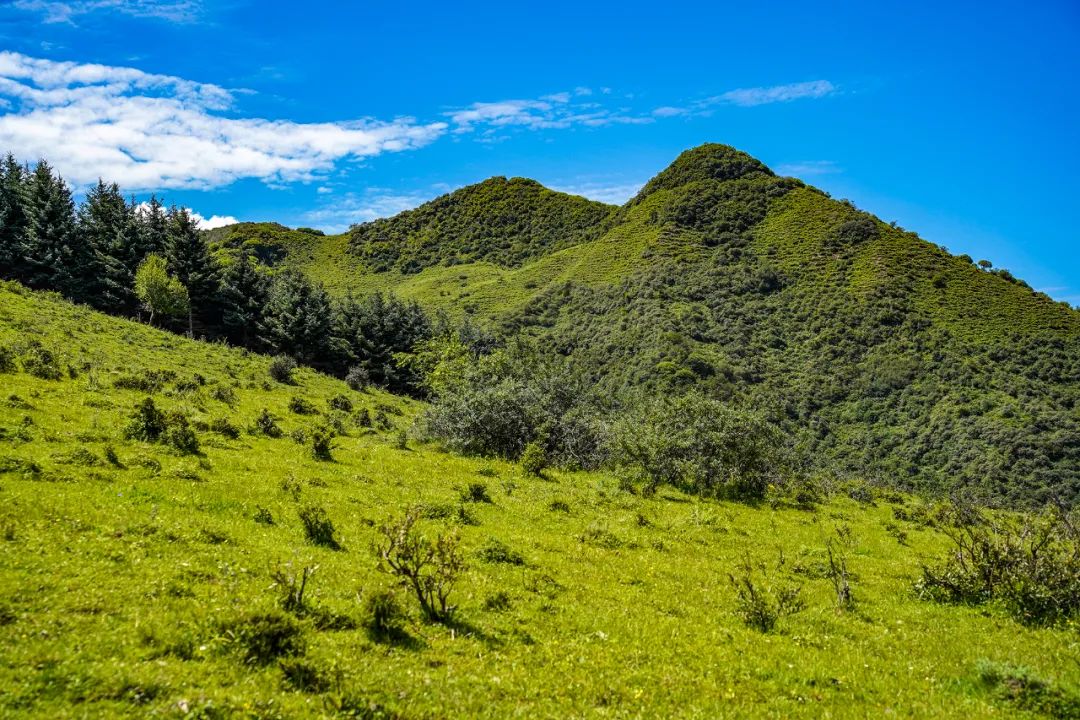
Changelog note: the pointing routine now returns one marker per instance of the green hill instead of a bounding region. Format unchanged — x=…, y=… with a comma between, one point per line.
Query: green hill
x=159, y=578
x=879, y=353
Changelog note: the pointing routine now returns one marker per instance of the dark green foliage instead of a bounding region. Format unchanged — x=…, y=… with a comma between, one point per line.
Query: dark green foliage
x=263, y=516
x=340, y=402
x=13, y=220
x=266, y=425
x=318, y=528
x=7, y=360
x=709, y=162
x=56, y=257
x=224, y=427
x=304, y=676
x=700, y=445
x=1030, y=564
x=476, y=492
x=760, y=605
x=40, y=361
x=244, y=294
x=371, y=331
x=109, y=226
x=322, y=443
x=282, y=368
x=496, y=551
x=180, y=435
x=147, y=423
x=297, y=319
x=502, y=221
x=192, y=264
x=357, y=378
x=263, y=637
x=384, y=615
x=302, y=406
x=292, y=586
x=147, y=381
x=1027, y=691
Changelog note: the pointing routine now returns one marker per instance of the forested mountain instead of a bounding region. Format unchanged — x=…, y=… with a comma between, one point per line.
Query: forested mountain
x=876, y=353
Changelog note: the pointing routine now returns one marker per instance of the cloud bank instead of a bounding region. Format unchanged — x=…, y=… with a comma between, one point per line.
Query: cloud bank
x=54, y=11
x=149, y=131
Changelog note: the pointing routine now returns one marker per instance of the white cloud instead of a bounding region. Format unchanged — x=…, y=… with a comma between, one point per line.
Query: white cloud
x=666, y=111
x=214, y=221
x=355, y=208
x=148, y=131
x=555, y=111
x=54, y=11
x=749, y=97
x=807, y=168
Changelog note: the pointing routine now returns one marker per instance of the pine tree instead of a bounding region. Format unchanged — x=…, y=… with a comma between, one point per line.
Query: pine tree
x=297, y=319
x=12, y=218
x=244, y=292
x=153, y=224
x=192, y=264
x=56, y=259
x=108, y=224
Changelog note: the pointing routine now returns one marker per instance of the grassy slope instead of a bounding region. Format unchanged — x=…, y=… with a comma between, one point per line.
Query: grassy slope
x=107, y=573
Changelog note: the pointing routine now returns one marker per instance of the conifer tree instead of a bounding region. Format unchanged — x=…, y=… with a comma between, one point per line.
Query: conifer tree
x=297, y=319
x=192, y=264
x=108, y=224
x=153, y=223
x=244, y=293
x=12, y=218
x=56, y=259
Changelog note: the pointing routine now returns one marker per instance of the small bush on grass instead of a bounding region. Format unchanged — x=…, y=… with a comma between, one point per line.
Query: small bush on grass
x=224, y=394
x=263, y=637
x=147, y=423
x=496, y=551
x=40, y=361
x=225, y=428
x=303, y=676
x=266, y=425
x=7, y=360
x=497, y=602
x=147, y=381
x=1031, y=564
x=322, y=443
x=429, y=568
x=1027, y=691
x=759, y=605
x=263, y=516
x=476, y=492
x=362, y=418
x=318, y=528
x=340, y=402
x=181, y=436
x=384, y=616
x=282, y=368
x=559, y=506
x=302, y=406
x=357, y=378
x=533, y=460
x=291, y=586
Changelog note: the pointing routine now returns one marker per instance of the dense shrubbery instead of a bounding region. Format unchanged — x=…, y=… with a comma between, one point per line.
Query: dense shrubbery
x=1031, y=564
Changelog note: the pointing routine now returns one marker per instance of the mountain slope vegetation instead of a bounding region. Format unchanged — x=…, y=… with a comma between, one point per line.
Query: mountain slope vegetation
x=878, y=353
x=227, y=568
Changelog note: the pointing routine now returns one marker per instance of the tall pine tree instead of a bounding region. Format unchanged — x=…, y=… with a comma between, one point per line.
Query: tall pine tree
x=297, y=320
x=108, y=224
x=191, y=263
x=244, y=292
x=12, y=218
x=57, y=258
x=153, y=222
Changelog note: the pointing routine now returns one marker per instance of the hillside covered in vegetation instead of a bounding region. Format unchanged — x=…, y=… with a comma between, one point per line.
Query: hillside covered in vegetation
x=194, y=530
x=877, y=353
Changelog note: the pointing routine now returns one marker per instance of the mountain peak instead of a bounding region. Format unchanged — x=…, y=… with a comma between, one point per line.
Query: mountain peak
x=711, y=161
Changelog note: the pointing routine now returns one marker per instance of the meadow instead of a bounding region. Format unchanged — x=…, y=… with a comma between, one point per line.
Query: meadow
x=147, y=579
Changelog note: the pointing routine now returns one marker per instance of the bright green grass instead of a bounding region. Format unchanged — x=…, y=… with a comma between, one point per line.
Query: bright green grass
x=104, y=570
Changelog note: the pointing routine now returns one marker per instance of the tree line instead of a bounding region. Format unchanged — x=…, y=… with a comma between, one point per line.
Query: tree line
x=151, y=262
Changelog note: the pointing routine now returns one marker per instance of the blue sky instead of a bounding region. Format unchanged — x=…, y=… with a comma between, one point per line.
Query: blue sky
x=957, y=122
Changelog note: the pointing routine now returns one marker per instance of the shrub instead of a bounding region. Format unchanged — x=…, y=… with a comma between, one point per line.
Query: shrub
x=224, y=394
x=1028, y=691
x=559, y=506
x=699, y=445
x=222, y=426
x=148, y=381
x=266, y=425
x=1031, y=564
x=318, y=527
x=265, y=636
x=301, y=406
x=40, y=361
x=533, y=459
x=838, y=573
x=303, y=676
x=322, y=443
x=291, y=586
x=181, y=436
x=429, y=568
x=7, y=360
x=759, y=605
x=362, y=418
x=282, y=368
x=147, y=423
x=357, y=378
x=497, y=552
x=340, y=402
x=497, y=602
x=384, y=615
x=401, y=440
x=263, y=516
x=476, y=492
